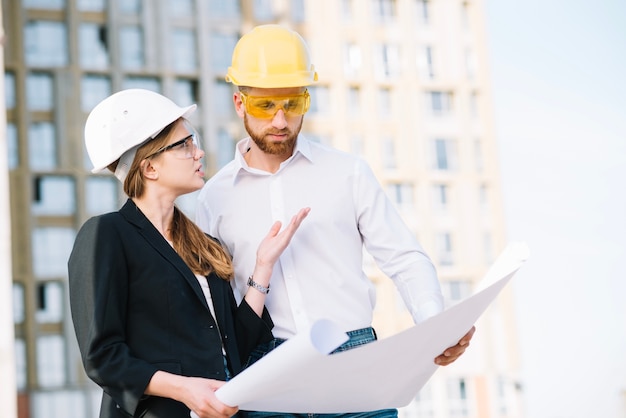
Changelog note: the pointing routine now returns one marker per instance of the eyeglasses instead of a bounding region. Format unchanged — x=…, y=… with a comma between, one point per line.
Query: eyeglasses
x=183, y=149
x=266, y=107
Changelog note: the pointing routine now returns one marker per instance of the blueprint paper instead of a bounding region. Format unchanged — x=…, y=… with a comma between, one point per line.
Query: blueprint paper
x=300, y=377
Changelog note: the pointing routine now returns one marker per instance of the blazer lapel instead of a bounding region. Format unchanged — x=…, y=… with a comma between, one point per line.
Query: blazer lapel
x=133, y=215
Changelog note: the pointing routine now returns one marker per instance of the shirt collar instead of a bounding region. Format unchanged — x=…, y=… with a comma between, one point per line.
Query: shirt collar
x=303, y=148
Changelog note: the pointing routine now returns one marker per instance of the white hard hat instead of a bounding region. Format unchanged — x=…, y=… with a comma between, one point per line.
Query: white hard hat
x=125, y=120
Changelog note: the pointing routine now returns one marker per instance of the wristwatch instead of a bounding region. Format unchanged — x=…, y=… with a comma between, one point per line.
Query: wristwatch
x=262, y=289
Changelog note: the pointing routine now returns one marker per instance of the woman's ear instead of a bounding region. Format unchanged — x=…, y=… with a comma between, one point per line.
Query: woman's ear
x=148, y=170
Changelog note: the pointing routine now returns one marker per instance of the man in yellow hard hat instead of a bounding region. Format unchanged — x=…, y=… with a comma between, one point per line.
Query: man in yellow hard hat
x=275, y=171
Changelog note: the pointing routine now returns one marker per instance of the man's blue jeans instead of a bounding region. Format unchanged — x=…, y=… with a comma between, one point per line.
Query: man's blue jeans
x=356, y=338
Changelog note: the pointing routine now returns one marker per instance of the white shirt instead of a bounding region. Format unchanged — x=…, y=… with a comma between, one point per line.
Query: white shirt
x=320, y=273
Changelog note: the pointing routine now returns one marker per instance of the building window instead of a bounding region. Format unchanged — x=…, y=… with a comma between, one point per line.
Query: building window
x=444, y=250
x=457, y=397
x=225, y=147
x=384, y=102
x=224, y=9
x=93, y=89
x=51, y=250
x=298, y=14
x=93, y=46
x=354, y=102
x=441, y=198
x=425, y=62
x=439, y=102
x=488, y=248
x=101, y=195
x=12, y=146
x=129, y=6
x=222, y=46
x=9, y=90
x=347, y=11
x=54, y=196
x=19, y=311
x=423, y=406
x=352, y=59
x=184, y=57
x=44, y=4
x=465, y=16
x=20, y=363
x=473, y=105
x=387, y=62
x=263, y=10
x=185, y=92
x=401, y=194
x=471, y=64
x=222, y=98
x=42, y=146
x=389, y=153
x=423, y=11
x=51, y=361
x=131, y=48
x=45, y=44
x=49, y=302
x=455, y=291
x=147, y=83
x=181, y=8
x=478, y=156
x=91, y=5
x=444, y=155
x=483, y=199
x=320, y=100
x=39, y=92
x=384, y=11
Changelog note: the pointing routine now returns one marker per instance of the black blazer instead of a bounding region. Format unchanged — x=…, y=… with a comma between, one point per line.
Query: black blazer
x=137, y=308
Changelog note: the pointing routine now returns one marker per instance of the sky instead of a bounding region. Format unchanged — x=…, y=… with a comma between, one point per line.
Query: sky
x=559, y=93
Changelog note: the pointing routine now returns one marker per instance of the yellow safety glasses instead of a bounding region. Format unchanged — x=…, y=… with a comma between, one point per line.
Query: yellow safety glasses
x=267, y=106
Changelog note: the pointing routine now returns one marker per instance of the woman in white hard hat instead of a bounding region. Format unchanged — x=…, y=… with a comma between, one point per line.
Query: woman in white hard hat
x=157, y=323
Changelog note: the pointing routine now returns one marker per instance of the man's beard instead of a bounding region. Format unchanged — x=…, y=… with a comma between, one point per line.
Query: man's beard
x=284, y=147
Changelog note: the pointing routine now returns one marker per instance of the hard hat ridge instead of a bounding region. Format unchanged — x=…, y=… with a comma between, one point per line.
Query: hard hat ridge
x=271, y=56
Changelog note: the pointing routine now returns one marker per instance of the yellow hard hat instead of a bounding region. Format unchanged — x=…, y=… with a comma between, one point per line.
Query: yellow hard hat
x=271, y=56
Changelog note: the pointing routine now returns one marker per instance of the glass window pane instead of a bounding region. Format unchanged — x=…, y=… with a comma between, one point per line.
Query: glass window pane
x=184, y=57
x=94, y=89
x=320, y=100
x=49, y=302
x=182, y=8
x=45, y=4
x=54, y=195
x=42, y=146
x=222, y=100
x=50, y=361
x=131, y=47
x=129, y=6
x=221, y=50
x=142, y=83
x=20, y=363
x=9, y=90
x=185, y=92
x=225, y=147
x=101, y=195
x=46, y=43
x=91, y=5
x=12, y=146
x=388, y=153
x=224, y=9
x=18, y=303
x=51, y=250
x=39, y=92
x=263, y=10
x=297, y=11
x=92, y=44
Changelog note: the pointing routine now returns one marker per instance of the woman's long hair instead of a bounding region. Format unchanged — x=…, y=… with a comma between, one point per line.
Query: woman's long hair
x=201, y=253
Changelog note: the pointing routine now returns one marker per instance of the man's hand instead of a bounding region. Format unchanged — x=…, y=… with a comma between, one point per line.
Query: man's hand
x=450, y=354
